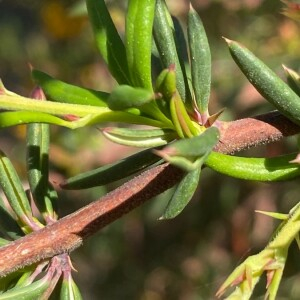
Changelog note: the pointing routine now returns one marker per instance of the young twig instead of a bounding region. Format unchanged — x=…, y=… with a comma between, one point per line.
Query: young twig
x=69, y=232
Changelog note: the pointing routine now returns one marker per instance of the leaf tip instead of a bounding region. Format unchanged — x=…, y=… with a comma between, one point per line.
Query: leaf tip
x=228, y=41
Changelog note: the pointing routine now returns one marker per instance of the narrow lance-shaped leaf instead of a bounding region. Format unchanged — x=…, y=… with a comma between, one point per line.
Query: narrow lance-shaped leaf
x=8, y=119
x=200, y=63
x=164, y=38
x=108, y=40
x=13, y=190
x=139, y=138
x=181, y=48
x=32, y=291
x=268, y=84
x=258, y=169
x=112, y=172
x=38, y=138
x=182, y=195
x=57, y=90
x=139, y=23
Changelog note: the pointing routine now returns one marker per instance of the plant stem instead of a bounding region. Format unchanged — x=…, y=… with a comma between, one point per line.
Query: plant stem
x=69, y=232
x=17, y=102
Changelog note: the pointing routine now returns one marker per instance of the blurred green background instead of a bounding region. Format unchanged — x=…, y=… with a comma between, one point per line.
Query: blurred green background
x=139, y=257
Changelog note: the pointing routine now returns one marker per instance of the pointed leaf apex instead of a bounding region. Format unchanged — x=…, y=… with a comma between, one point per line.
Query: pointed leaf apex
x=228, y=41
x=270, y=275
x=30, y=66
x=192, y=8
x=274, y=215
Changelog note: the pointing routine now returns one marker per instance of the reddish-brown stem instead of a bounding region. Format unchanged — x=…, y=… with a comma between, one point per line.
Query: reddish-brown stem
x=69, y=232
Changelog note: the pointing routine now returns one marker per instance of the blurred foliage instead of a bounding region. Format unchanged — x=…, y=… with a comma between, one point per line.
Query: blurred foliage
x=139, y=257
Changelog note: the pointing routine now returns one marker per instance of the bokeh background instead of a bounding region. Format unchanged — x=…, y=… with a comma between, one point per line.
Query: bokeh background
x=139, y=257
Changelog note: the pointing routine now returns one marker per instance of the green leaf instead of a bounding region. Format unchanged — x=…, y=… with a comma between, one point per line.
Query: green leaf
x=164, y=36
x=268, y=84
x=182, y=195
x=8, y=281
x=196, y=146
x=3, y=242
x=112, y=172
x=38, y=169
x=108, y=40
x=13, y=189
x=24, y=279
x=183, y=124
x=8, y=119
x=125, y=96
x=200, y=62
x=32, y=291
x=166, y=83
x=139, y=138
x=69, y=290
x=59, y=91
x=139, y=23
x=258, y=169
